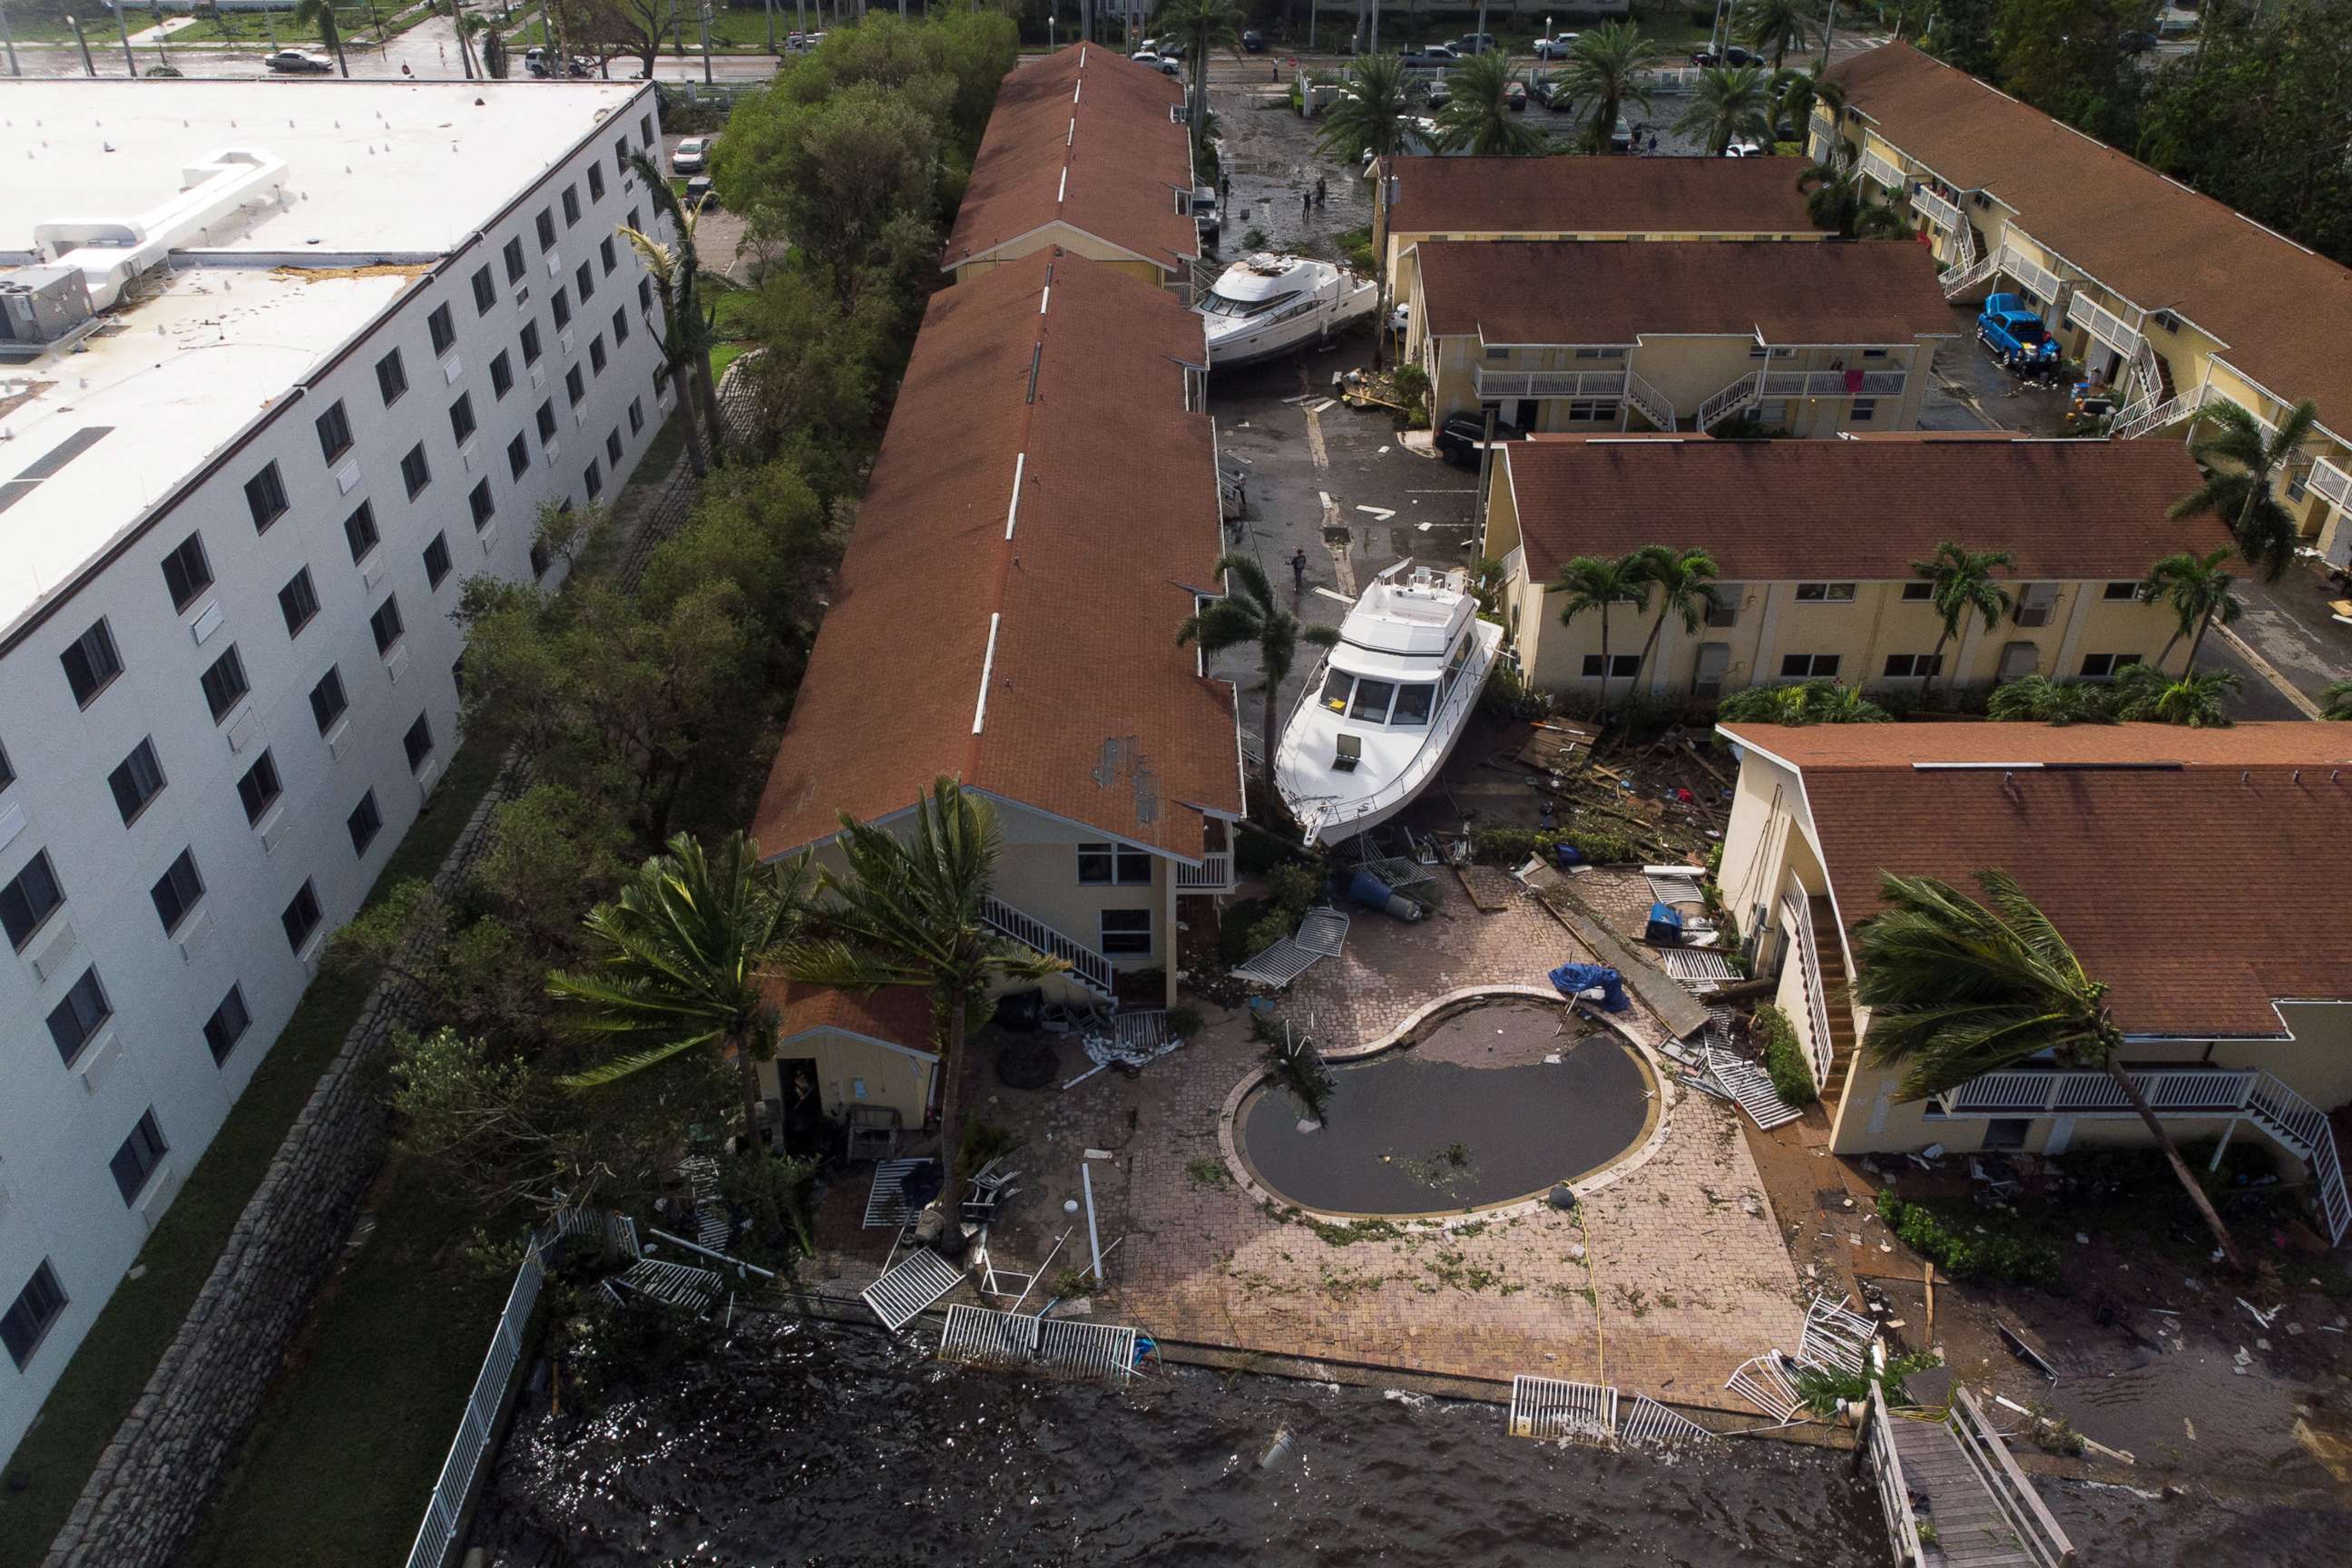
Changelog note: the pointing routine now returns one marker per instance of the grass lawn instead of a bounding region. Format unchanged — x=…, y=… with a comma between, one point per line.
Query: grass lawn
x=112, y=1363
x=722, y=356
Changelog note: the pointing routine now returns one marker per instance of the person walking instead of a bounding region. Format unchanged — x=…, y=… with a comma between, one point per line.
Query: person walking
x=1306, y=204
x=1299, y=574
x=1318, y=190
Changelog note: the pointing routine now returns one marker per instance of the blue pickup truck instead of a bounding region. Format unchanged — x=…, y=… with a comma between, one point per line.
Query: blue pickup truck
x=2011, y=328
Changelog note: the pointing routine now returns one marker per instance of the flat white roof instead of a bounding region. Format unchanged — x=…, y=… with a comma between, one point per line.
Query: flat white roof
x=388, y=167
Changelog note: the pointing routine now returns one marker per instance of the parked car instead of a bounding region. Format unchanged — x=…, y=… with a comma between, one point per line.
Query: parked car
x=294, y=62
x=1253, y=41
x=1461, y=437
x=1555, y=48
x=1476, y=44
x=692, y=157
x=700, y=193
x=1206, y=219
x=1440, y=95
x=1552, y=92
x=1621, y=140
x=1516, y=97
x=1431, y=57
x=2012, y=329
x=1160, y=63
x=1734, y=56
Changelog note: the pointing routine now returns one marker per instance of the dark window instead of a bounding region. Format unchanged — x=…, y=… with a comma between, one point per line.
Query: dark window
x=485, y=291
x=530, y=342
x=228, y=1025
x=391, y=378
x=632, y=222
x=620, y=325
x=1808, y=667
x=265, y=497
x=436, y=560
x=571, y=205
x=587, y=281
x=259, y=788
x=612, y=446
x=28, y=899
x=458, y=677
x=1914, y=666
x=364, y=823
x=546, y=223
x=7, y=770
x=606, y=254
x=546, y=422
x=28, y=1318
x=334, y=432
x=575, y=386
x=596, y=353
x=501, y=374
x=513, y=254
x=478, y=500
x=517, y=456
x=136, y=780
x=298, y=601
x=139, y=1154
x=415, y=471
x=188, y=572
x=386, y=625
x=2106, y=666
x=596, y=182
x=327, y=700
x=1915, y=592
x=418, y=742
x=1126, y=932
x=1619, y=666
x=1108, y=865
x=300, y=917
x=593, y=478
x=561, y=303
x=644, y=294
x=461, y=419
x=621, y=160
x=90, y=662
x=78, y=1013
x=2120, y=590
x=636, y=415
x=223, y=683
x=538, y=559
x=1864, y=410
x=359, y=531
x=1825, y=593
x=646, y=130
x=177, y=890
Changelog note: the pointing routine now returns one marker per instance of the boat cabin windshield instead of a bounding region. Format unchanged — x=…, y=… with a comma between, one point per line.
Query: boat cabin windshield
x=1364, y=699
x=1216, y=304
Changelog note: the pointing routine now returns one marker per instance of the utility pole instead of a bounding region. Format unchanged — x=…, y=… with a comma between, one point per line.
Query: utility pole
x=1828, y=34
x=702, y=15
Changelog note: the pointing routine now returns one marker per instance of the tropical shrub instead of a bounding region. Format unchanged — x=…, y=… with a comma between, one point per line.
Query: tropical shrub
x=1971, y=1249
x=1784, y=1056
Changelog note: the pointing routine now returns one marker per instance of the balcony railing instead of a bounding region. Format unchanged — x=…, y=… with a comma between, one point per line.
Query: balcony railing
x=1655, y=406
x=1884, y=172
x=1793, y=909
x=1087, y=966
x=2038, y=279
x=2102, y=324
x=1721, y=406
x=1502, y=384
x=2058, y=1091
x=1215, y=874
x=1832, y=384
x=2331, y=482
x=1935, y=209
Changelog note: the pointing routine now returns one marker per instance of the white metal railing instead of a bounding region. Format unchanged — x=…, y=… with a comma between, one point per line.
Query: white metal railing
x=2303, y=1128
x=1452, y=712
x=1966, y=275
x=2201, y=1091
x=2104, y=324
x=1886, y=1474
x=1655, y=406
x=2332, y=481
x=1672, y=78
x=1501, y=383
x=2170, y=412
x=1883, y=172
x=2143, y=381
x=1514, y=564
x=1732, y=399
x=1939, y=211
x=1213, y=874
x=1817, y=1007
x=1090, y=967
x=2020, y=1506
x=2039, y=280
x=1832, y=384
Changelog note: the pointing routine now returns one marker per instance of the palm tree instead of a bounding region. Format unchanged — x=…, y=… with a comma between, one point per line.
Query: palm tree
x=2194, y=700
x=2199, y=592
x=1681, y=577
x=1802, y=703
x=695, y=345
x=1960, y=583
x=909, y=911
x=2037, y=699
x=1957, y=989
x=1253, y=616
x=676, y=960
x=2336, y=701
x=1477, y=117
x=1729, y=104
x=1202, y=24
x=1595, y=583
x=1779, y=26
x=676, y=336
x=320, y=14
x=2243, y=463
x=1837, y=199
x=1796, y=95
x=1372, y=116
x=1605, y=65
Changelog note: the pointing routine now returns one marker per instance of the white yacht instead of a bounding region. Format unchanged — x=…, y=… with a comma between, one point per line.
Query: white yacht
x=1387, y=704
x=1265, y=305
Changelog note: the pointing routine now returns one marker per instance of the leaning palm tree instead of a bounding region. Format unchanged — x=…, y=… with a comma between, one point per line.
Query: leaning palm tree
x=1730, y=103
x=2199, y=592
x=675, y=962
x=2243, y=462
x=320, y=14
x=1778, y=26
x=1477, y=117
x=2336, y=701
x=1796, y=95
x=1253, y=616
x=1606, y=66
x=2196, y=700
x=696, y=343
x=1595, y=583
x=1961, y=585
x=1681, y=577
x=678, y=322
x=1957, y=989
x=911, y=911
x=1203, y=25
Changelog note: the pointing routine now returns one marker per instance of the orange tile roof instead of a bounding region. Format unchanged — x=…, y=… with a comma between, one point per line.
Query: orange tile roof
x=1601, y=291
x=2284, y=312
x=1089, y=145
x=1774, y=511
x=2192, y=870
x=1568, y=194
x=898, y=1013
x=1093, y=713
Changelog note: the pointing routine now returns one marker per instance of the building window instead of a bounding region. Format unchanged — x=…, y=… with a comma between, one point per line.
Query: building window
x=633, y=223
x=586, y=280
x=386, y=625
x=571, y=205
x=327, y=700
x=7, y=770
x=2106, y=666
x=485, y=291
x=228, y=1025
x=436, y=560
x=1621, y=665
x=596, y=182
x=364, y=823
x=646, y=294
x=90, y=662
x=391, y=378
x=360, y=532
x=596, y=353
x=258, y=790
x=612, y=446
x=1865, y=409
x=547, y=420
x=1825, y=593
x=646, y=130
x=575, y=386
x=1808, y=667
x=538, y=559
x=593, y=479
x=418, y=742
x=1125, y=933
x=300, y=917
x=178, y=890
x=530, y=342
x=620, y=325
x=636, y=415
x=621, y=160
x=501, y=374
x=1723, y=605
x=415, y=473
x=188, y=572
x=31, y=896
x=1874, y=354
x=78, y=1015
x=606, y=254
x=225, y=683
x=28, y=1318
x=512, y=252
x=265, y=497
x=2120, y=590
x=334, y=432
x=545, y=223
x=562, y=302
x=518, y=456
x=1592, y=408
x=1914, y=666
x=461, y=419
x=1113, y=865
x=1917, y=593
x=137, y=1159
x=457, y=677
x=136, y=780
x=299, y=602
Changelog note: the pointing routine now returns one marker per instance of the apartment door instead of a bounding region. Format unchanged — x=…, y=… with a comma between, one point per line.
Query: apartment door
x=1714, y=660
x=1526, y=413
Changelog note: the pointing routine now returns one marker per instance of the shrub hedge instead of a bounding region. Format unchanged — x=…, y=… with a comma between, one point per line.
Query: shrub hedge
x=1784, y=1057
x=1971, y=1246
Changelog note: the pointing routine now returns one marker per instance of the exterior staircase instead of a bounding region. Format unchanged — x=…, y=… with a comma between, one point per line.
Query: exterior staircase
x=1837, y=1003
x=1088, y=967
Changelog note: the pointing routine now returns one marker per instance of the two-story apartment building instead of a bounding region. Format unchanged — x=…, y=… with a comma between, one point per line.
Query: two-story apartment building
x=1086, y=152
x=2236, y=1022
x=1041, y=519
x=1813, y=543
x=2173, y=298
x=1563, y=334
x=272, y=386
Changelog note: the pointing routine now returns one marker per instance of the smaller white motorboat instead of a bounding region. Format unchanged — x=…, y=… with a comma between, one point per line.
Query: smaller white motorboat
x=1266, y=305
x=1384, y=709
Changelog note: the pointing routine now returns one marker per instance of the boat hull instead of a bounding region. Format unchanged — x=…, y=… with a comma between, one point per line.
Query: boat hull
x=1275, y=339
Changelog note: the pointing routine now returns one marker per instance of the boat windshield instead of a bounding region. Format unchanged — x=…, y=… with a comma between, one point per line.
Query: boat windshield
x=1216, y=304
x=1413, y=704
x=1371, y=704
x=1334, y=690
x=1366, y=700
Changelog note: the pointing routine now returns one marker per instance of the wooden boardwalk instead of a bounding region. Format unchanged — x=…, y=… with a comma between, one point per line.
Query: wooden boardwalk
x=1953, y=1496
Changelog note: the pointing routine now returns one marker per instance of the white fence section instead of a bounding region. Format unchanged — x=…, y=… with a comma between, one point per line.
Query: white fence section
x=2038, y=279
x=1935, y=209
x=2102, y=324
x=1544, y=1407
x=1070, y=1347
x=1884, y=172
x=1832, y=384
x=2331, y=482
x=1886, y=1476
x=1213, y=874
x=1817, y=1008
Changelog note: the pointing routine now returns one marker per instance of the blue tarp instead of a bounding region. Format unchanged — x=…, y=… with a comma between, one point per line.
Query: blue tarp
x=1666, y=927
x=1575, y=978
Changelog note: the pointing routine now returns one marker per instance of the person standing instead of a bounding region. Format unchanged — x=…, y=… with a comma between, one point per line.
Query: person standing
x=1299, y=574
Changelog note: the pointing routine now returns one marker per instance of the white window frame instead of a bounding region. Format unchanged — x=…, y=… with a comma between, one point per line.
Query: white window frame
x=1124, y=859
x=1825, y=593
x=1103, y=933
